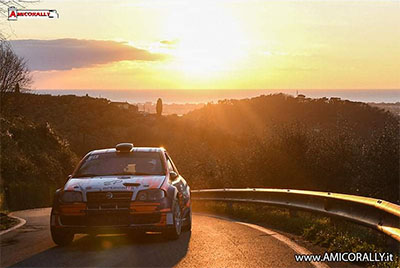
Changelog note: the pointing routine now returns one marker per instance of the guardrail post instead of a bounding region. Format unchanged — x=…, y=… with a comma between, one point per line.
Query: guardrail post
x=229, y=207
x=335, y=222
x=293, y=213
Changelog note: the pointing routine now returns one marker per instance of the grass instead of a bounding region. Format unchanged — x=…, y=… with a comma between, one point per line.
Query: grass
x=335, y=235
x=7, y=222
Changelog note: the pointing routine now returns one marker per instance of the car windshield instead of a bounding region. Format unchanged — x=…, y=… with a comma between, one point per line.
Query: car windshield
x=134, y=163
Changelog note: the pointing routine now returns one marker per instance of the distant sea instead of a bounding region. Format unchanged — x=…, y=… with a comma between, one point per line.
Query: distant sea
x=204, y=96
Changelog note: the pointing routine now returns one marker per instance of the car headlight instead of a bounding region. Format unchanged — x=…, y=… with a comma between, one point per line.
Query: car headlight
x=150, y=195
x=71, y=197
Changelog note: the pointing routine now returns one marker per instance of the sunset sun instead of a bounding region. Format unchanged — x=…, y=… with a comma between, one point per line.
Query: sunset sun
x=208, y=40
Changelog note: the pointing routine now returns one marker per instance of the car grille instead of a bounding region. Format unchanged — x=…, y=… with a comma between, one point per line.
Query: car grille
x=103, y=211
x=112, y=219
x=122, y=219
x=73, y=220
x=108, y=220
x=145, y=218
x=108, y=200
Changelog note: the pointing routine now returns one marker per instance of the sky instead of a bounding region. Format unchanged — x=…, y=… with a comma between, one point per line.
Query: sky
x=188, y=44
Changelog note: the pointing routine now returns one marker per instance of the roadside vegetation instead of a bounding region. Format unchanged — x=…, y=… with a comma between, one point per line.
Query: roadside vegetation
x=269, y=141
x=334, y=235
x=6, y=222
x=34, y=162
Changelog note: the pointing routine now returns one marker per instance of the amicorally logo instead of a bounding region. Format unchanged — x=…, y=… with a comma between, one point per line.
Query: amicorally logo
x=14, y=13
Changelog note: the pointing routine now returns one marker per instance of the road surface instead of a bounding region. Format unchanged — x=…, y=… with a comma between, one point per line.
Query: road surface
x=213, y=242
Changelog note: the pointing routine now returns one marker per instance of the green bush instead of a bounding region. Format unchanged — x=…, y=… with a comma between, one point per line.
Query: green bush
x=34, y=163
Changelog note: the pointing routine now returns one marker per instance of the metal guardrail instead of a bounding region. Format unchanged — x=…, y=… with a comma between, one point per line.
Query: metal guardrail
x=378, y=214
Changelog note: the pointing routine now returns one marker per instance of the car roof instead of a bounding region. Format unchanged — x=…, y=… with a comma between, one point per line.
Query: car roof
x=134, y=149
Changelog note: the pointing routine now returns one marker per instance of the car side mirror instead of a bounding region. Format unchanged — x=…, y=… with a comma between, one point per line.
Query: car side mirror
x=69, y=177
x=173, y=175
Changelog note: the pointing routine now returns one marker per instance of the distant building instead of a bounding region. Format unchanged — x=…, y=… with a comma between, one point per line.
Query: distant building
x=324, y=99
x=301, y=96
x=333, y=99
x=124, y=105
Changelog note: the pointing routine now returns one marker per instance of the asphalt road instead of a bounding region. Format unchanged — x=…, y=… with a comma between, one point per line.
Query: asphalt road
x=213, y=242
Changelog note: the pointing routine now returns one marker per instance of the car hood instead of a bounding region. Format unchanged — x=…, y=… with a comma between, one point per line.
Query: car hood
x=114, y=183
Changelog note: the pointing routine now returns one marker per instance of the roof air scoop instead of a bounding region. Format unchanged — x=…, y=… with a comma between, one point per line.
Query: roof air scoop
x=124, y=147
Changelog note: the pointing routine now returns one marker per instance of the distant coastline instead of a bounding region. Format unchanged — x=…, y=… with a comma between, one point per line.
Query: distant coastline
x=205, y=96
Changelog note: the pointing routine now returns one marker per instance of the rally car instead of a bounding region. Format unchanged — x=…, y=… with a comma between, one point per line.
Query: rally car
x=121, y=190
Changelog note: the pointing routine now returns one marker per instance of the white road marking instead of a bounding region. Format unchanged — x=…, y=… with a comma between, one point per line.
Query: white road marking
x=21, y=222
x=297, y=248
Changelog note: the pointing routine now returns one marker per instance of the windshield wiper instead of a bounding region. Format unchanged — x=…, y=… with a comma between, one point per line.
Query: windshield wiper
x=87, y=175
x=142, y=173
x=130, y=173
x=120, y=174
x=112, y=174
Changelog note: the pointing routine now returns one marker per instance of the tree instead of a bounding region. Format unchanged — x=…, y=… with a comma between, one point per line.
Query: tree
x=159, y=107
x=16, y=88
x=4, y=5
x=13, y=70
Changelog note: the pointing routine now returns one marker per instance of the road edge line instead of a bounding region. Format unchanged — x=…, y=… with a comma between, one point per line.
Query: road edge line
x=294, y=246
x=21, y=223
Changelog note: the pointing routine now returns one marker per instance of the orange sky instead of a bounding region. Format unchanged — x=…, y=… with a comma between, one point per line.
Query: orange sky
x=171, y=44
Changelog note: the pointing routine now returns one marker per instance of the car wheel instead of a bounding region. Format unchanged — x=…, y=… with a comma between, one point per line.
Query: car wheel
x=174, y=232
x=60, y=237
x=188, y=222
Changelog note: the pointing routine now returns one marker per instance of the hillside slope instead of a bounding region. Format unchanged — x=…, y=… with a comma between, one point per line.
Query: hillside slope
x=268, y=141
x=34, y=163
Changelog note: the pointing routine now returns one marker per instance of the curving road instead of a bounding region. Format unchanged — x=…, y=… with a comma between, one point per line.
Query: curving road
x=213, y=242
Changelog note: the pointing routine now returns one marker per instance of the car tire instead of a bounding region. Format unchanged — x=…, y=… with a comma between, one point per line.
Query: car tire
x=174, y=232
x=60, y=237
x=188, y=222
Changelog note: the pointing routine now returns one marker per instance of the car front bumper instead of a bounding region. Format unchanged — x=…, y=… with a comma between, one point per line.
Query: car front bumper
x=111, y=221
x=113, y=229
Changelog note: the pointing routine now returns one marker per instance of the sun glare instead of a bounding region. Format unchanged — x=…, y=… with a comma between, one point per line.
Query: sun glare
x=209, y=40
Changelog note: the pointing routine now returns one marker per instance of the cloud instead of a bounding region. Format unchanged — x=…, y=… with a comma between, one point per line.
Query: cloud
x=66, y=54
x=169, y=42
